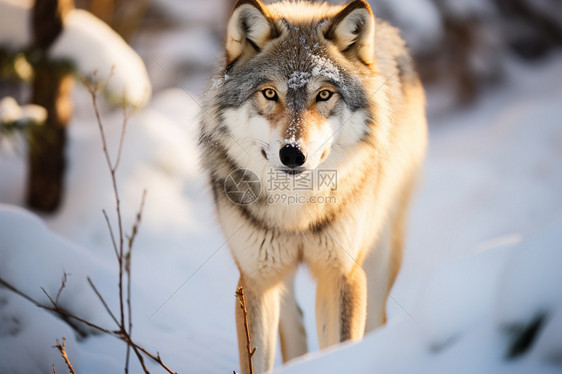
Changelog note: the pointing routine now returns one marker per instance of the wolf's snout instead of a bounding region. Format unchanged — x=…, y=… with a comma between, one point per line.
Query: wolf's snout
x=291, y=156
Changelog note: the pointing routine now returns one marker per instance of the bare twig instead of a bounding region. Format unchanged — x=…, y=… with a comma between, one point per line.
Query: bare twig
x=156, y=358
x=122, y=335
x=126, y=116
x=62, y=285
x=242, y=300
x=111, y=234
x=55, y=309
x=62, y=350
x=124, y=258
x=50, y=298
x=93, y=89
x=135, y=230
x=103, y=301
x=128, y=259
x=55, y=301
x=139, y=357
x=124, y=325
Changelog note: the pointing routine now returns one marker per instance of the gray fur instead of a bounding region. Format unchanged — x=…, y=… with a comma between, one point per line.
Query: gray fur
x=296, y=50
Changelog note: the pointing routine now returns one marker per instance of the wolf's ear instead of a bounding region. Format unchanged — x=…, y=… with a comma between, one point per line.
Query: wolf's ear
x=249, y=29
x=352, y=30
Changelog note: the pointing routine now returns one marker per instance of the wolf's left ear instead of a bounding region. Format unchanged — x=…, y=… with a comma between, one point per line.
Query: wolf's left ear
x=249, y=29
x=352, y=30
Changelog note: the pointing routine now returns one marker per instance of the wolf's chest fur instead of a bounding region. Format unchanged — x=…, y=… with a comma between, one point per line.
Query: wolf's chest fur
x=328, y=227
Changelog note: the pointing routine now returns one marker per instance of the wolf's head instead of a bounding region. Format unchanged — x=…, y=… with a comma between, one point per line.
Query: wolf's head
x=297, y=82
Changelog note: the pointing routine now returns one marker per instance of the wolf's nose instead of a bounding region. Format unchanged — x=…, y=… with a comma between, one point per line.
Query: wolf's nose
x=291, y=156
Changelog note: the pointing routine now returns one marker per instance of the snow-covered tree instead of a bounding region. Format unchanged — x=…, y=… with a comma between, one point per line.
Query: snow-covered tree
x=61, y=42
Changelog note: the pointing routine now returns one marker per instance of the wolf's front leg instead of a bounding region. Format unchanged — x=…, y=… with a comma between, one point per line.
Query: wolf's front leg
x=263, y=307
x=292, y=334
x=341, y=306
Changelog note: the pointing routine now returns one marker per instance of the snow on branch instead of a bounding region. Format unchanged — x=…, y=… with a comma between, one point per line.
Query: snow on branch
x=12, y=115
x=91, y=45
x=88, y=43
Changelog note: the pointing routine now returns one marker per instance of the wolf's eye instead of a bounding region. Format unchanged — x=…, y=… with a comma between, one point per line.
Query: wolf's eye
x=324, y=95
x=270, y=94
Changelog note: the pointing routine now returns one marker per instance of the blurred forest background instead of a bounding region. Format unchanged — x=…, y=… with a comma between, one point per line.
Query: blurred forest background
x=460, y=45
x=461, y=48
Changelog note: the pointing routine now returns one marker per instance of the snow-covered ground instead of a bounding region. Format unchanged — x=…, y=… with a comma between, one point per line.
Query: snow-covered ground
x=482, y=262
x=484, y=253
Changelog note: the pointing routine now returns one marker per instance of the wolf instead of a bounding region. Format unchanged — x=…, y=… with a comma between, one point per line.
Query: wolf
x=306, y=88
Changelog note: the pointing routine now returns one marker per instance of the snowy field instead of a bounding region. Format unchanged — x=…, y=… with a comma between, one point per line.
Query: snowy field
x=481, y=274
x=483, y=255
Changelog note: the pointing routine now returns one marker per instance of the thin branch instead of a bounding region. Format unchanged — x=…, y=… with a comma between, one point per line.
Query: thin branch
x=111, y=234
x=103, y=301
x=93, y=89
x=62, y=350
x=126, y=117
x=54, y=308
x=128, y=259
x=124, y=260
x=50, y=298
x=156, y=358
x=55, y=301
x=113, y=168
x=62, y=285
x=135, y=230
x=139, y=357
x=122, y=335
x=242, y=300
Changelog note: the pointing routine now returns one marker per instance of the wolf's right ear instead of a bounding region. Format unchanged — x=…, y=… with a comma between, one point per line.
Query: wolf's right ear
x=249, y=29
x=352, y=30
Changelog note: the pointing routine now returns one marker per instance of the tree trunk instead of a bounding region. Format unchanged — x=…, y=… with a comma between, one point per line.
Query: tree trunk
x=52, y=88
x=47, y=159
